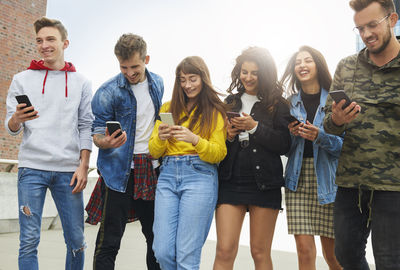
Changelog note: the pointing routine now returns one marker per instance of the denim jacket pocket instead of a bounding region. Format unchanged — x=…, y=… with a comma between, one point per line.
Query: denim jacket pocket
x=122, y=112
x=123, y=115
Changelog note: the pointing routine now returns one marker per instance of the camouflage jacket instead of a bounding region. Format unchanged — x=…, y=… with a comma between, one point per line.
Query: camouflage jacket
x=370, y=157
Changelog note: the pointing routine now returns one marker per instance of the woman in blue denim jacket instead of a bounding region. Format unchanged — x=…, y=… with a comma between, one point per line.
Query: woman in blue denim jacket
x=312, y=159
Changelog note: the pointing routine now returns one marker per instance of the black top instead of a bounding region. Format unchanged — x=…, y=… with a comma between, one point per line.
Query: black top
x=260, y=159
x=311, y=103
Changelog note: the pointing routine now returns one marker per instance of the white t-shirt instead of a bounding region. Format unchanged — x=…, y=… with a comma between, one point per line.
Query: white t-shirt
x=144, y=117
x=247, y=104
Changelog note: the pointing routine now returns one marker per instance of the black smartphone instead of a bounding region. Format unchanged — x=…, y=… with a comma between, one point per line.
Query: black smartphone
x=290, y=118
x=232, y=115
x=112, y=126
x=338, y=95
x=24, y=99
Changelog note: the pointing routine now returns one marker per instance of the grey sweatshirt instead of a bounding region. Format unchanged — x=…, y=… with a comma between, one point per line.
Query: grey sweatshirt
x=53, y=141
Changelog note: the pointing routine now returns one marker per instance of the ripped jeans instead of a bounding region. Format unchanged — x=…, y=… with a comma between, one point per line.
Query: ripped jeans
x=32, y=188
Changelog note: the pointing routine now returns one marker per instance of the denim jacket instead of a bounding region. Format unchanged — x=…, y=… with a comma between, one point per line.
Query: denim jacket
x=115, y=101
x=326, y=149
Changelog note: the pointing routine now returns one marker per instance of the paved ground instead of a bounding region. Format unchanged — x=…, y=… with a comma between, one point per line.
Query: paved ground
x=52, y=252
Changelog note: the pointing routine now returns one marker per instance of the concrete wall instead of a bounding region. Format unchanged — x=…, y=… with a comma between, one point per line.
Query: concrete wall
x=17, y=49
x=9, y=204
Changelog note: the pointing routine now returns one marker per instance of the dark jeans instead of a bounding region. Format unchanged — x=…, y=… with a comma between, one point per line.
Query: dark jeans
x=115, y=213
x=351, y=231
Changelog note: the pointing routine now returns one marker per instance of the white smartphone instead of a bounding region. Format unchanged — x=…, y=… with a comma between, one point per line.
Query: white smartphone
x=167, y=118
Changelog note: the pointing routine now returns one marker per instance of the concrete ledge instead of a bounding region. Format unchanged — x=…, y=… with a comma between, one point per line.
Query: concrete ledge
x=12, y=225
x=9, y=204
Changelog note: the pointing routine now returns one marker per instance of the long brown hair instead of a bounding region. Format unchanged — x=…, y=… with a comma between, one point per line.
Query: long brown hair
x=208, y=104
x=289, y=77
x=269, y=88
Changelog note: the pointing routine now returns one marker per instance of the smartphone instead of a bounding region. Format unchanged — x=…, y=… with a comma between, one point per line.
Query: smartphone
x=232, y=115
x=24, y=99
x=291, y=118
x=112, y=126
x=167, y=118
x=338, y=95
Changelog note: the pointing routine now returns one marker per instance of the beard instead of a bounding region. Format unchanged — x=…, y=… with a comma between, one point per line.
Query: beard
x=386, y=40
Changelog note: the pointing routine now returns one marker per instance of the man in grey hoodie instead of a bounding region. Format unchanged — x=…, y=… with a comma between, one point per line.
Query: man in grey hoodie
x=56, y=144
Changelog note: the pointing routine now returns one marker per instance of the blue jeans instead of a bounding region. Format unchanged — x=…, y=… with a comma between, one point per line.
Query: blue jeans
x=32, y=187
x=185, y=201
x=352, y=229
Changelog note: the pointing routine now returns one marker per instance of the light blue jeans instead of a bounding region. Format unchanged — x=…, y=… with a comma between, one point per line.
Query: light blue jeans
x=185, y=201
x=32, y=187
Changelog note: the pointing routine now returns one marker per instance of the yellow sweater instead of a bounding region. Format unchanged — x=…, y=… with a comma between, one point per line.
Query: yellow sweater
x=212, y=150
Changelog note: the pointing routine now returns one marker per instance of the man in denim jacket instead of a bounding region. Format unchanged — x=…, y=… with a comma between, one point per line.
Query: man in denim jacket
x=128, y=179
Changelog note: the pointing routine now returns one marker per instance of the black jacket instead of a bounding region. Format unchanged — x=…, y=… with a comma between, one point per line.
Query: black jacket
x=270, y=140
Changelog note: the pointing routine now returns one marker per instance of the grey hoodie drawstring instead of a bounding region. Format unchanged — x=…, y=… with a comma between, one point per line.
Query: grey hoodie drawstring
x=66, y=83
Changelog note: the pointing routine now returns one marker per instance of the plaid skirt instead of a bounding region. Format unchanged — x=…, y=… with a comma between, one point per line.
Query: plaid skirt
x=304, y=213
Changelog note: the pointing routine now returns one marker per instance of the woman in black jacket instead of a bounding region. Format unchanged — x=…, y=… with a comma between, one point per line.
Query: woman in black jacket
x=250, y=176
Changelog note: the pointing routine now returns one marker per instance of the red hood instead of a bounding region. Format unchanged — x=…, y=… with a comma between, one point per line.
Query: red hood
x=39, y=65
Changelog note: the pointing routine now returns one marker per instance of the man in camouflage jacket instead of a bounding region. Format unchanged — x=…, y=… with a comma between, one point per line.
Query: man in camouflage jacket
x=368, y=174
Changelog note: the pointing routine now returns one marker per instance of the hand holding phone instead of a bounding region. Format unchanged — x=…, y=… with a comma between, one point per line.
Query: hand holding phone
x=113, y=126
x=24, y=99
x=231, y=115
x=339, y=115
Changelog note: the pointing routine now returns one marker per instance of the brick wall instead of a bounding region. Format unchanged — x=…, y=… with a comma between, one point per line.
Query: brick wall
x=17, y=49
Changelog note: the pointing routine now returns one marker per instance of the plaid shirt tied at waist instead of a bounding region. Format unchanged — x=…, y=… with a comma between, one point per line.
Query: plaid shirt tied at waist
x=145, y=181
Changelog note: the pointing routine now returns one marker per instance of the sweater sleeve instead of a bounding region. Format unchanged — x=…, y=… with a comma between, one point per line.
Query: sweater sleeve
x=85, y=117
x=157, y=147
x=213, y=150
x=15, y=90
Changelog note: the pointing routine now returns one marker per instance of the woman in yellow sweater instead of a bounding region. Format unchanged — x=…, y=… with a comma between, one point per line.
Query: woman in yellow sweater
x=187, y=187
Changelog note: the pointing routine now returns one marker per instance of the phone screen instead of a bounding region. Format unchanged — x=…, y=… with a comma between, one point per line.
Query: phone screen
x=167, y=118
x=232, y=115
x=338, y=96
x=24, y=99
x=290, y=118
x=112, y=126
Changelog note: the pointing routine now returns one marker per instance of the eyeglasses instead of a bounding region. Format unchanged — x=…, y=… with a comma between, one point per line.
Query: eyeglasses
x=370, y=26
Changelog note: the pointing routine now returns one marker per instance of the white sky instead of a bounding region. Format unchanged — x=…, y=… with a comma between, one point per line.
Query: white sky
x=216, y=30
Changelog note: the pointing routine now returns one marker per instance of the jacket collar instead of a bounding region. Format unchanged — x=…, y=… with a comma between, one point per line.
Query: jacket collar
x=363, y=56
x=296, y=98
x=39, y=65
